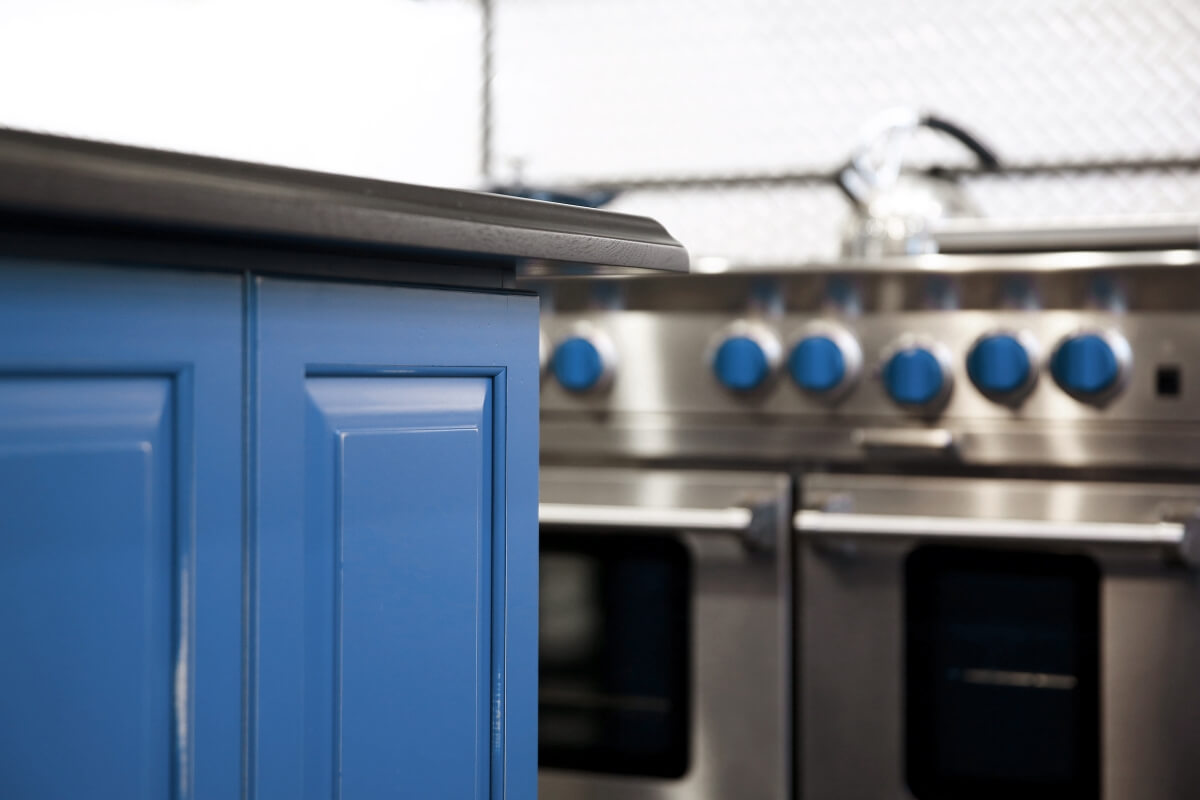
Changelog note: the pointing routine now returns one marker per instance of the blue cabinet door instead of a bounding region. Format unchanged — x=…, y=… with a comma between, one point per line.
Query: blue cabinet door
x=394, y=458
x=120, y=533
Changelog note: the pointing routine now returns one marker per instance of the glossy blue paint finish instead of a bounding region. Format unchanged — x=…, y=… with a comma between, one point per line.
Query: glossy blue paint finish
x=405, y=568
x=120, y=545
x=1085, y=365
x=415, y=619
x=998, y=364
x=395, y=541
x=85, y=564
x=816, y=364
x=577, y=364
x=121, y=467
x=741, y=364
x=913, y=376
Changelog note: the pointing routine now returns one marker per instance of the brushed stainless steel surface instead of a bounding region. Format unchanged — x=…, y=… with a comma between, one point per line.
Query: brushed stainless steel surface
x=851, y=600
x=720, y=520
x=54, y=176
x=751, y=221
x=834, y=292
x=990, y=236
x=955, y=263
x=967, y=528
x=1038, y=470
x=664, y=401
x=1172, y=537
x=754, y=526
x=751, y=442
x=981, y=500
x=1049, y=262
x=741, y=743
x=893, y=441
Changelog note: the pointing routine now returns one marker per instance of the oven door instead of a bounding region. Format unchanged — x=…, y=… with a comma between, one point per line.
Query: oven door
x=997, y=638
x=665, y=663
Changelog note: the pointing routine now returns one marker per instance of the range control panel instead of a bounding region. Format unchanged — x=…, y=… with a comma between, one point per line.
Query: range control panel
x=1002, y=365
x=1079, y=368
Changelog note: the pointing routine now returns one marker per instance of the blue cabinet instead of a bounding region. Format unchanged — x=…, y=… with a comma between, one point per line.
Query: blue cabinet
x=265, y=536
x=271, y=537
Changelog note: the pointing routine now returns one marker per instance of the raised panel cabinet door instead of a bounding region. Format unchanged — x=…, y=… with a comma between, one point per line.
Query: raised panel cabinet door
x=120, y=533
x=395, y=542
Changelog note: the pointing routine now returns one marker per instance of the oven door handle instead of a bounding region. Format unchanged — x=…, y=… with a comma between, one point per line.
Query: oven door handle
x=753, y=525
x=1175, y=537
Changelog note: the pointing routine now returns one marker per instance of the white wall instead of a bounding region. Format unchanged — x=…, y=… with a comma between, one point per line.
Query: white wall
x=381, y=88
x=620, y=90
x=603, y=89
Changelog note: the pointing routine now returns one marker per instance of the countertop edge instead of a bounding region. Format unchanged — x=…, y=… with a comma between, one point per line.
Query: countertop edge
x=46, y=175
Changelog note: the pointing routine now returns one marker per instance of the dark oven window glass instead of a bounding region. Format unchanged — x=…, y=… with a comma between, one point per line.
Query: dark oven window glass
x=614, y=621
x=1002, y=677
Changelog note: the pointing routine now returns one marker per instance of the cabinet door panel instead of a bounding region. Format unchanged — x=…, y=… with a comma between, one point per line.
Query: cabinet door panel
x=120, y=541
x=414, y=612
x=85, y=582
x=384, y=462
x=397, y=526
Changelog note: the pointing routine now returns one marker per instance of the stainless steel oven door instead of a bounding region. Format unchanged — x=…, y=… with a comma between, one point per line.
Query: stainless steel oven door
x=986, y=638
x=665, y=657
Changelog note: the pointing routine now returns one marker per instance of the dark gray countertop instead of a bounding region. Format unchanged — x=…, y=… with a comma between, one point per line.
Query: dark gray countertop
x=70, y=181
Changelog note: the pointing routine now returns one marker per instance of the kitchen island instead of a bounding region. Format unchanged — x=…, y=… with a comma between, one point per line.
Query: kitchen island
x=268, y=462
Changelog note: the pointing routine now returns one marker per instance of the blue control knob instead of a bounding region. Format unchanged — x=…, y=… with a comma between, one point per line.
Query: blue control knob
x=578, y=364
x=1086, y=365
x=999, y=364
x=914, y=376
x=817, y=364
x=741, y=364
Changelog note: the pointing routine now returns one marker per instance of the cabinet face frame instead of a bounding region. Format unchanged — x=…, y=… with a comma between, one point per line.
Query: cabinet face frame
x=199, y=335
x=301, y=331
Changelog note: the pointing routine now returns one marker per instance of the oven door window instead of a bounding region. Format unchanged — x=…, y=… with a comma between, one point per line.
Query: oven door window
x=614, y=676
x=1002, y=678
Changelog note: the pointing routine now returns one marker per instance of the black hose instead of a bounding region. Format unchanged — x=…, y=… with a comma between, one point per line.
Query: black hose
x=987, y=158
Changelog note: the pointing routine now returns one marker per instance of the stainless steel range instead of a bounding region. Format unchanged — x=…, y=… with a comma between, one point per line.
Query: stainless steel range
x=991, y=465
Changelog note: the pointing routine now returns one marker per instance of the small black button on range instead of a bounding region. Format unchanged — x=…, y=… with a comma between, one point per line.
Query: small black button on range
x=1167, y=381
